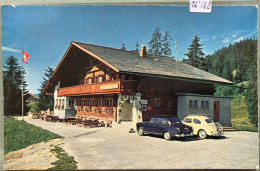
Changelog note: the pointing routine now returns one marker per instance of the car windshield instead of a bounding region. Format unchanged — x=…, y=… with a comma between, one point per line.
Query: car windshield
x=208, y=120
x=175, y=120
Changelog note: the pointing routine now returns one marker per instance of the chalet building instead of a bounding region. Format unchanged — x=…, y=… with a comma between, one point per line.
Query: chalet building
x=32, y=97
x=118, y=85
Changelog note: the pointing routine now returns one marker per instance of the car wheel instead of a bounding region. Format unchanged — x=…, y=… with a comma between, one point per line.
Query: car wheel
x=141, y=131
x=167, y=136
x=202, y=134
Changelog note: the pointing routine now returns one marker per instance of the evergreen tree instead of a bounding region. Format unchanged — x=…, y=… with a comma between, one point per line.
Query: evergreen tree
x=123, y=47
x=12, y=77
x=238, y=63
x=137, y=47
x=166, y=50
x=251, y=95
x=45, y=101
x=195, y=54
x=155, y=43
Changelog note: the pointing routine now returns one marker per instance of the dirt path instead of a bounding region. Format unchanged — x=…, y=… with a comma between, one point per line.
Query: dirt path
x=33, y=157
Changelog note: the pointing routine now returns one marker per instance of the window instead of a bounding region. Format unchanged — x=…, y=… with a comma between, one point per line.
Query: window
x=161, y=120
x=175, y=120
x=92, y=102
x=191, y=104
x=71, y=103
x=157, y=102
x=57, y=103
x=100, y=78
x=109, y=102
x=207, y=104
x=99, y=102
x=62, y=104
x=153, y=120
x=208, y=120
x=195, y=103
x=82, y=103
x=89, y=80
x=196, y=121
x=87, y=103
x=204, y=104
x=188, y=120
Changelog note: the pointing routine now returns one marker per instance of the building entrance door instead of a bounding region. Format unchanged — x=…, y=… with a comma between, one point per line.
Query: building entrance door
x=216, y=110
x=126, y=114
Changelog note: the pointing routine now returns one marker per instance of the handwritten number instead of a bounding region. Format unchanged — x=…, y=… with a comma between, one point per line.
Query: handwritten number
x=208, y=7
x=201, y=4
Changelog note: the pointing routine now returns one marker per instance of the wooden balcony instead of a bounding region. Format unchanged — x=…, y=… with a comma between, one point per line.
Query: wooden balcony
x=109, y=87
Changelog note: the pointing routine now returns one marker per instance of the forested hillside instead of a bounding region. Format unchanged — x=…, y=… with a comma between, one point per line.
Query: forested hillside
x=237, y=63
x=234, y=62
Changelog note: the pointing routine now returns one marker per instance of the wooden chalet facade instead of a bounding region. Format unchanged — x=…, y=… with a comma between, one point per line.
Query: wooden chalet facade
x=112, y=84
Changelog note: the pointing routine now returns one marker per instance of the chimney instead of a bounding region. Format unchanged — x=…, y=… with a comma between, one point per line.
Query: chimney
x=143, y=51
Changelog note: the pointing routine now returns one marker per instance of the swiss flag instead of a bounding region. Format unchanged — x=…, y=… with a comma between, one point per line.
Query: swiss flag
x=25, y=56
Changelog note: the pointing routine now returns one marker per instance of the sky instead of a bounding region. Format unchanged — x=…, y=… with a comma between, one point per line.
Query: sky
x=45, y=32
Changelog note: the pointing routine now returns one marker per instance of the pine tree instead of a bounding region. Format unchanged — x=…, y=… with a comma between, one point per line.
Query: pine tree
x=155, y=43
x=45, y=101
x=251, y=95
x=137, y=47
x=123, y=47
x=12, y=77
x=195, y=54
x=166, y=50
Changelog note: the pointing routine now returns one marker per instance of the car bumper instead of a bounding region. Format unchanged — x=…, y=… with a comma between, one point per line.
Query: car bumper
x=183, y=135
x=218, y=134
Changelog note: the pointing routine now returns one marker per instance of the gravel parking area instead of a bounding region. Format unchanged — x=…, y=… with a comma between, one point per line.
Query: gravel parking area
x=116, y=148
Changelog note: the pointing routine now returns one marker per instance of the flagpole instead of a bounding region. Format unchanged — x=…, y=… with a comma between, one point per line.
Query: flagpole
x=176, y=47
x=22, y=85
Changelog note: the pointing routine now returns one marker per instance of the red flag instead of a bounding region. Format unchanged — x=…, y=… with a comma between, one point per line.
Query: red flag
x=25, y=56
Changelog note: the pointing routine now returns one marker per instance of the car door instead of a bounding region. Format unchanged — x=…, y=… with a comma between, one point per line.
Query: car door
x=149, y=126
x=161, y=123
x=196, y=125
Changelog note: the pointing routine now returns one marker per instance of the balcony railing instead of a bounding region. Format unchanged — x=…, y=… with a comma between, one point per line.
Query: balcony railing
x=110, y=87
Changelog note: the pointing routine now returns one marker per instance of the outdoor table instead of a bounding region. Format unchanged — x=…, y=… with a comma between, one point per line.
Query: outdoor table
x=69, y=118
x=36, y=115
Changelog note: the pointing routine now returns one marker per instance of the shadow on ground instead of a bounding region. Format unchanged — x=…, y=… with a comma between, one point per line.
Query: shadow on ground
x=186, y=139
x=217, y=137
x=85, y=134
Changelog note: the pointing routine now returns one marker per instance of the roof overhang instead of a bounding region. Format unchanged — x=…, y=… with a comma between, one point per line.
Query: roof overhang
x=49, y=88
x=178, y=78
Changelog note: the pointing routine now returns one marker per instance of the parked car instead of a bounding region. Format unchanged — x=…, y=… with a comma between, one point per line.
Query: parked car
x=203, y=126
x=168, y=126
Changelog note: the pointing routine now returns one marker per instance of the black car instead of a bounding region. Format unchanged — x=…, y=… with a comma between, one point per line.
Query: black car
x=168, y=126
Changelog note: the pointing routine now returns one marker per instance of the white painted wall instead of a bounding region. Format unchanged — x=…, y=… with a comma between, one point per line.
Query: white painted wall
x=224, y=107
x=61, y=112
x=136, y=112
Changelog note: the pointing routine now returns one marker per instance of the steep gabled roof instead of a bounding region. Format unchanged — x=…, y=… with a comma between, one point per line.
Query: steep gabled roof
x=130, y=62
x=33, y=96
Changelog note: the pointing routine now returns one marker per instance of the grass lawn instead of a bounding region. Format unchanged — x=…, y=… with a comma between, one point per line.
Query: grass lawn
x=239, y=115
x=65, y=162
x=20, y=134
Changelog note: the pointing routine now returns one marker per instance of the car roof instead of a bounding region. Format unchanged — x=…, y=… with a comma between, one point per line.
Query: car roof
x=164, y=116
x=197, y=116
